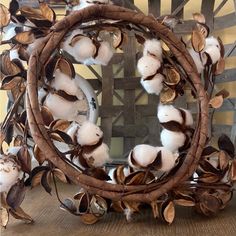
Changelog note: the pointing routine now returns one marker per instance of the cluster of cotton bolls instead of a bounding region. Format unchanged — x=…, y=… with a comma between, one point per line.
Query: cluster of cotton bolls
x=149, y=66
x=93, y=153
x=9, y=172
x=174, y=137
x=209, y=55
x=144, y=155
x=60, y=107
x=85, y=50
x=87, y=3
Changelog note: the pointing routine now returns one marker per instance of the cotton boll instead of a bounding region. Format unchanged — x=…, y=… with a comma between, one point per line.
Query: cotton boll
x=172, y=140
x=9, y=173
x=99, y=156
x=143, y=155
x=89, y=134
x=197, y=60
x=212, y=41
x=105, y=53
x=153, y=86
x=148, y=65
x=72, y=130
x=9, y=31
x=14, y=54
x=168, y=113
x=167, y=159
x=188, y=117
x=153, y=47
x=63, y=109
x=213, y=52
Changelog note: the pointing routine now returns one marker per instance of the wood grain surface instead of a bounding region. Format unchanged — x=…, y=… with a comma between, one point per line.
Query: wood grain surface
x=50, y=220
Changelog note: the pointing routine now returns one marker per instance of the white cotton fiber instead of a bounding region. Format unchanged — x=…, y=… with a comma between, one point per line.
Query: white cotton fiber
x=213, y=52
x=41, y=95
x=111, y=175
x=9, y=173
x=89, y=134
x=99, y=156
x=188, y=117
x=167, y=159
x=212, y=41
x=14, y=54
x=148, y=65
x=153, y=47
x=172, y=140
x=143, y=154
x=72, y=130
x=167, y=113
x=197, y=60
x=9, y=31
x=153, y=86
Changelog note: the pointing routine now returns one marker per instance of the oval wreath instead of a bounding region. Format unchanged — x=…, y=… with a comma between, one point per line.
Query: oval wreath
x=190, y=179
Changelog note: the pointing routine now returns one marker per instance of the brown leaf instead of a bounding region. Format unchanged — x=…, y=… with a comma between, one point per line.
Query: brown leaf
x=169, y=212
x=198, y=40
x=47, y=12
x=4, y=217
x=199, y=17
x=25, y=38
x=223, y=160
x=220, y=66
x=89, y=219
x=7, y=66
x=66, y=67
x=224, y=93
x=18, y=213
x=45, y=181
x=5, y=16
x=24, y=158
x=16, y=195
x=36, y=180
x=62, y=94
x=209, y=178
x=59, y=124
x=10, y=82
x=47, y=115
x=167, y=95
x=156, y=164
x=39, y=155
x=140, y=39
x=60, y=175
x=216, y=102
x=172, y=76
x=226, y=145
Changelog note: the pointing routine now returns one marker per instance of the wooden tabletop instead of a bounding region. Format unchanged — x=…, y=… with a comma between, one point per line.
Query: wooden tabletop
x=50, y=220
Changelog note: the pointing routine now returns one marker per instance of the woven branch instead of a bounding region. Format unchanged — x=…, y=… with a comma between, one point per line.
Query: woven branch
x=141, y=193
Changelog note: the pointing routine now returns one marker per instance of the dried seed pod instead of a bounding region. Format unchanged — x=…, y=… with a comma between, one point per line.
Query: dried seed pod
x=167, y=95
x=172, y=76
x=98, y=206
x=68, y=205
x=216, y=102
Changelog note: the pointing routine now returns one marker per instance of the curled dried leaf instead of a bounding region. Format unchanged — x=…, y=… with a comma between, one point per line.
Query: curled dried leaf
x=198, y=40
x=226, y=145
x=59, y=124
x=19, y=213
x=65, y=66
x=47, y=115
x=47, y=12
x=39, y=155
x=216, y=102
x=60, y=175
x=168, y=211
x=24, y=158
x=167, y=95
x=25, y=38
x=5, y=16
x=10, y=82
x=199, y=17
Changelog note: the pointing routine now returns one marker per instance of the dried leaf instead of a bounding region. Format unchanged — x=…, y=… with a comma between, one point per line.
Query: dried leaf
x=226, y=145
x=16, y=195
x=172, y=76
x=25, y=38
x=224, y=93
x=4, y=216
x=10, y=82
x=156, y=164
x=5, y=16
x=199, y=17
x=209, y=151
x=140, y=38
x=216, y=102
x=61, y=136
x=169, y=212
x=223, y=160
x=18, y=213
x=24, y=158
x=198, y=40
x=167, y=95
x=36, y=180
x=47, y=12
x=184, y=202
x=46, y=115
x=117, y=38
x=98, y=173
x=209, y=178
x=62, y=94
x=66, y=67
x=18, y=141
x=60, y=175
x=39, y=155
x=31, y=12
x=59, y=125
x=45, y=181
x=13, y=7
x=89, y=219
x=220, y=67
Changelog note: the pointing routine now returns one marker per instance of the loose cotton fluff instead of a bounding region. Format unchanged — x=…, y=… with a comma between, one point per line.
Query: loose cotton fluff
x=89, y=134
x=9, y=173
x=153, y=86
x=148, y=65
x=212, y=48
x=168, y=113
x=172, y=140
x=105, y=53
x=153, y=47
x=99, y=156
